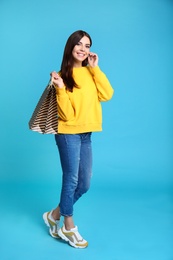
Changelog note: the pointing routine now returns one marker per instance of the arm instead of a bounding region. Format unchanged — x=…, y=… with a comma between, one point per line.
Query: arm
x=65, y=109
x=104, y=88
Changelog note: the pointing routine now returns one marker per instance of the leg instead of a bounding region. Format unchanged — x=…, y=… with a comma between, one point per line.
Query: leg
x=56, y=213
x=85, y=166
x=69, y=150
x=68, y=221
x=74, y=181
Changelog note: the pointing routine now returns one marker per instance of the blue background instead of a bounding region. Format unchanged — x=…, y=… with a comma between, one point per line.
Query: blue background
x=127, y=215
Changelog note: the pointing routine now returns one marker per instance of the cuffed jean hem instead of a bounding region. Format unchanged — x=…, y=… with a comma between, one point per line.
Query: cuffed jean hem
x=64, y=215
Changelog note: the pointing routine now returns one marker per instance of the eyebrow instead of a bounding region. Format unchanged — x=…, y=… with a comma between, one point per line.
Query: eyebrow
x=86, y=43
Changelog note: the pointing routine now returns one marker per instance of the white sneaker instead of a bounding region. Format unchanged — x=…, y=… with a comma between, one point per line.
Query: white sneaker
x=52, y=224
x=73, y=237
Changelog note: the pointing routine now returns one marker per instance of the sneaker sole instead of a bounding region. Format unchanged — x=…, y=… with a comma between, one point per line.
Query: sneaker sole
x=47, y=223
x=61, y=235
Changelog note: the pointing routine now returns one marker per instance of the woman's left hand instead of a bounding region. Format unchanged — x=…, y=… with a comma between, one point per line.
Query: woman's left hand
x=93, y=59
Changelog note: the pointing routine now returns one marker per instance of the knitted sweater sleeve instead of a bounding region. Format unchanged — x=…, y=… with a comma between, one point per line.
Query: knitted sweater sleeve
x=65, y=108
x=104, y=88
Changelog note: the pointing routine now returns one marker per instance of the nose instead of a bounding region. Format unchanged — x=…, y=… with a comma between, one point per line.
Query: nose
x=82, y=48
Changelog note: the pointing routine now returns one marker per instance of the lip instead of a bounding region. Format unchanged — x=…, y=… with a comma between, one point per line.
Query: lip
x=81, y=54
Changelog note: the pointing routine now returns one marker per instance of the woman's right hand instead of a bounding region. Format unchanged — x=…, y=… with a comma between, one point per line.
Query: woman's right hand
x=56, y=79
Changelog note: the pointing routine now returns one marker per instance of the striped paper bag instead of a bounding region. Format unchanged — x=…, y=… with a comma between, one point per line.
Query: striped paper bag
x=45, y=118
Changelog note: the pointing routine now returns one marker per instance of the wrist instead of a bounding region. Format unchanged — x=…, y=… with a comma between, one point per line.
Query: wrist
x=58, y=86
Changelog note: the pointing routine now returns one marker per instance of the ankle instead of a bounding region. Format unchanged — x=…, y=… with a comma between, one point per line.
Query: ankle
x=69, y=227
x=68, y=223
x=55, y=214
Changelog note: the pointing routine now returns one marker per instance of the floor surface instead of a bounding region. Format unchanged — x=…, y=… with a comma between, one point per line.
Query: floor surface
x=120, y=222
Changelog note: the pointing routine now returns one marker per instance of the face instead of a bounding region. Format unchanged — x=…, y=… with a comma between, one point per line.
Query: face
x=80, y=51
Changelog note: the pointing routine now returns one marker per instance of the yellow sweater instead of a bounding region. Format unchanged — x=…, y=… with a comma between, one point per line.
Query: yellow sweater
x=80, y=111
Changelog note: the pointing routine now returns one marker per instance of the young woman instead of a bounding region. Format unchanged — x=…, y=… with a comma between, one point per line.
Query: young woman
x=80, y=87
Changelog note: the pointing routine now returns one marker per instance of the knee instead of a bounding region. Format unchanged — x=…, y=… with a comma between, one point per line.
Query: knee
x=85, y=188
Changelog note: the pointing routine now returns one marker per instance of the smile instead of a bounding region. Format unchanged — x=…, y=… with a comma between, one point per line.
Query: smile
x=81, y=54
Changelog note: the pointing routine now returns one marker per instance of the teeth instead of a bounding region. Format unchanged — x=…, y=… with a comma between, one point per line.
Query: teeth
x=81, y=54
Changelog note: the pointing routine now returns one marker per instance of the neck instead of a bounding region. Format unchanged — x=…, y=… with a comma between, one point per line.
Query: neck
x=77, y=64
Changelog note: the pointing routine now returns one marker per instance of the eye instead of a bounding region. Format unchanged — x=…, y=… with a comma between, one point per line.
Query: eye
x=87, y=46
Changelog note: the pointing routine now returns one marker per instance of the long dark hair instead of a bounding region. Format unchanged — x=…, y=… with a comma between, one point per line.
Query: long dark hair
x=68, y=60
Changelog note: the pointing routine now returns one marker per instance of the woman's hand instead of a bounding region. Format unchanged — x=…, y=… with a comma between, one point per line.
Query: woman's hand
x=56, y=79
x=93, y=59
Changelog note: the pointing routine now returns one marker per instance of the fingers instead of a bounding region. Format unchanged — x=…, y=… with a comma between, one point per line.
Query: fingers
x=92, y=55
x=54, y=75
x=56, y=79
x=93, y=59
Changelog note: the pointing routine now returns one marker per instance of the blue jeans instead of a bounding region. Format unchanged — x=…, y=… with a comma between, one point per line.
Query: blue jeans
x=76, y=162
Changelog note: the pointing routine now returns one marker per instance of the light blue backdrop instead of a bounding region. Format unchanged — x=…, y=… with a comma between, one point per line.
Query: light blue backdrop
x=134, y=40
